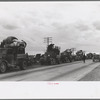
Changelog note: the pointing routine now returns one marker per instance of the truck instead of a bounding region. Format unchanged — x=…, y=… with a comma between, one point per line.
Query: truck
x=96, y=57
x=51, y=56
x=66, y=56
x=12, y=56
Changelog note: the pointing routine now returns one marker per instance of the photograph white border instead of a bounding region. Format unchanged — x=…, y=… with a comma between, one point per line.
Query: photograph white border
x=50, y=89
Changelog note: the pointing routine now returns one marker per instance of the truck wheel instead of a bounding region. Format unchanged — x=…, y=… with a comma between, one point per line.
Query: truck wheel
x=54, y=61
x=3, y=67
x=51, y=62
x=23, y=65
x=93, y=60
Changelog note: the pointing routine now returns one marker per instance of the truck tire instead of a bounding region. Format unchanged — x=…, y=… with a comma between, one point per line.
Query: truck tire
x=93, y=60
x=3, y=67
x=53, y=62
x=23, y=65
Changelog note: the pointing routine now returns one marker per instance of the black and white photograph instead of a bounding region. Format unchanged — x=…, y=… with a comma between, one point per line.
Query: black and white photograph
x=50, y=50
x=50, y=41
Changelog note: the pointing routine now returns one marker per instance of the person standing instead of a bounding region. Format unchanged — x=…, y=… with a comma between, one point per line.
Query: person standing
x=84, y=57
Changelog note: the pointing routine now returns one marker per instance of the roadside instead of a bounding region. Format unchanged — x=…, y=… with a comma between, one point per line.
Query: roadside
x=94, y=75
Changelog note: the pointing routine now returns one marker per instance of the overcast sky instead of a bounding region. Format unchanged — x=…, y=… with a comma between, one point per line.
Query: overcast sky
x=70, y=24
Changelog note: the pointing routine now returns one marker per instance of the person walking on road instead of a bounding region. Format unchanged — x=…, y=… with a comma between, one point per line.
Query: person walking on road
x=84, y=58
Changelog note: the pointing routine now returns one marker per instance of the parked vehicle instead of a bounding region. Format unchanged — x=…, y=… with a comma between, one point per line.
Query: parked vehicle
x=13, y=55
x=96, y=57
x=51, y=56
x=31, y=60
x=66, y=56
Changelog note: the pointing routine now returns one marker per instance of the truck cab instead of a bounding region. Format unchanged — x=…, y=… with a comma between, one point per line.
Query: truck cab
x=12, y=57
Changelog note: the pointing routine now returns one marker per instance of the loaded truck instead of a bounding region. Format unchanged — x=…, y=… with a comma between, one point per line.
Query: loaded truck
x=12, y=54
x=51, y=56
x=96, y=57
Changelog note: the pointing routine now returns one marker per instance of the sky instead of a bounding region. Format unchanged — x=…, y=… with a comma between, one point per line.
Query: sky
x=70, y=24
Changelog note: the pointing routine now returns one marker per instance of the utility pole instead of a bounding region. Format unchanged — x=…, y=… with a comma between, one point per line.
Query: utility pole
x=48, y=40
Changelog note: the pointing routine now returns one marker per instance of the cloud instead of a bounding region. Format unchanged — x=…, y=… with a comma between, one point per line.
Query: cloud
x=10, y=27
x=97, y=25
x=69, y=24
x=82, y=26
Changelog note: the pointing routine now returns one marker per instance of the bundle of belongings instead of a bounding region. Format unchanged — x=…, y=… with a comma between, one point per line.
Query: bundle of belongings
x=12, y=42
